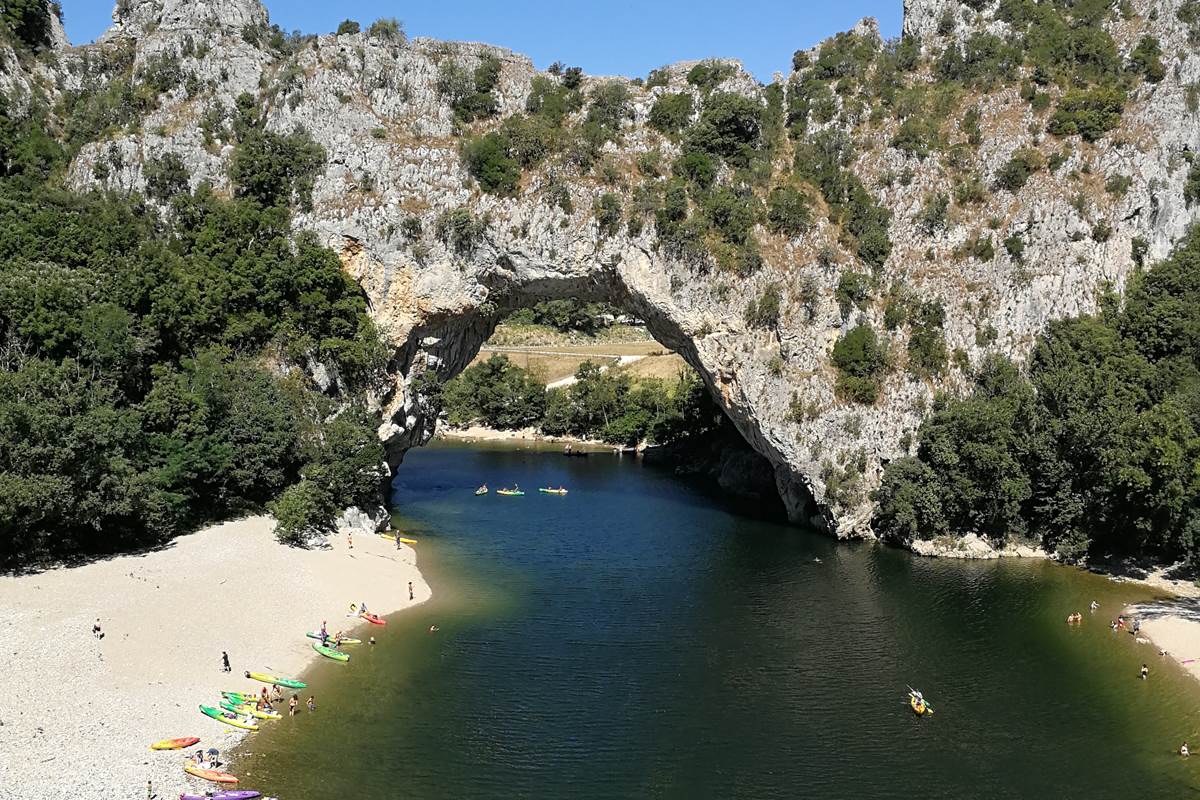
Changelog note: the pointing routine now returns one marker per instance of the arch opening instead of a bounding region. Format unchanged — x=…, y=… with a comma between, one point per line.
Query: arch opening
x=634, y=341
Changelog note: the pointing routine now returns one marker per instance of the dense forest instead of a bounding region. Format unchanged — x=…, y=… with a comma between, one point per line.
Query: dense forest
x=1094, y=451
x=608, y=406
x=149, y=375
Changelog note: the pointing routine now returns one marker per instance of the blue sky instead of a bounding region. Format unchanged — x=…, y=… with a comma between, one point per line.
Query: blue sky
x=605, y=38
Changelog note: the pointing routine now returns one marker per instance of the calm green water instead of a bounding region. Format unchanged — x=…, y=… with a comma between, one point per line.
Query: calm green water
x=639, y=639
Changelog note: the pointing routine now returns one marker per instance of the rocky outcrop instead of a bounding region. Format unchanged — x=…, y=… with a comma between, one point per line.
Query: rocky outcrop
x=393, y=156
x=973, y=547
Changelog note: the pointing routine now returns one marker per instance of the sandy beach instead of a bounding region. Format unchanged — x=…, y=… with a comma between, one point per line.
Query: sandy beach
x=77, y=713
x=480, y=433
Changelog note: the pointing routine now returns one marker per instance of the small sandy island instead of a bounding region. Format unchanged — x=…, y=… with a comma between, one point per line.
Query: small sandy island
x=77, y=713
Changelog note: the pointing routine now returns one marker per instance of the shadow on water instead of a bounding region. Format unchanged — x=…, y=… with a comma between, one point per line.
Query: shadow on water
x=639, y=638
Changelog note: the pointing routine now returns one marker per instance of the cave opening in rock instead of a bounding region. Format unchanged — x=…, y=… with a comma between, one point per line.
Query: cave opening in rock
x=567, y=341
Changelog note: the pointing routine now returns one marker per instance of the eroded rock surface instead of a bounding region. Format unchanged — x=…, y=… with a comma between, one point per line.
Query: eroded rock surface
x=373, y=103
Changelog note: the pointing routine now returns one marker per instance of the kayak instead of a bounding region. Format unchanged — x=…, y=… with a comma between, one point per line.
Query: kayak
x=219, y=716
x=482, y=490
x=265, y=677
x=175, y=744
x=236, y=794
x=391, y=537
x=241, y=697
x=919, y=707
x=345, y=640
x=374, y=620
x=553, y=491
x=246, y=708
x=510, y=492
x=329, y=652
x=209, y=774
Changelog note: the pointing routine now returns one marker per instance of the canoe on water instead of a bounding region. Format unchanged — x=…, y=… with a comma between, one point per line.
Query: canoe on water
x=220, y=716
x=482, y=490
x=236, y=794
x=374, y=620
x=510, y=492
x=209, y=774
x=920, y=707
x=175, y=744
x=345, y=640
x=329, y=652
x=266, y=677
x=553, y=491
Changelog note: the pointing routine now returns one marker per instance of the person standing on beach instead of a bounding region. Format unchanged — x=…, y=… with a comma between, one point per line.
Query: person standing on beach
x=350, y=539
x=410, y=591
x=292, y=705
x=225, y=662
x=398, y=540
x=99, y=634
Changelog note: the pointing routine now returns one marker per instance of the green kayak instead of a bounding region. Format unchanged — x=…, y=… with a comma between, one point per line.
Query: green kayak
x=329, y=652
x=242, y=697
x=220, y=716
x=345, y=639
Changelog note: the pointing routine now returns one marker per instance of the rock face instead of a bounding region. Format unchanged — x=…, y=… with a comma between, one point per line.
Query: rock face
x=373, y=103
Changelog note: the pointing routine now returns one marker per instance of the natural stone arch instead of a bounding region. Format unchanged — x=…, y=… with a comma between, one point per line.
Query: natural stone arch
x=444, y=344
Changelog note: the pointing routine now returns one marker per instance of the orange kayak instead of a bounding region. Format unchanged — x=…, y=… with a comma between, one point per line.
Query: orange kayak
x=175, y=744
x=209, y=774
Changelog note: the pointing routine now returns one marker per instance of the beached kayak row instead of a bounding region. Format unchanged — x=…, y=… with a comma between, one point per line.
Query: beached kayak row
x=245, y=710
x=166, y=616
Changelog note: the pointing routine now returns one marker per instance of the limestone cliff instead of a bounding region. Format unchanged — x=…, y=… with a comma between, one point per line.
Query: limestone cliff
x=393, y=150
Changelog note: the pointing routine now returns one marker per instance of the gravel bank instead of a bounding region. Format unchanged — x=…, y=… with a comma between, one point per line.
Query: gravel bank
x=77, y=714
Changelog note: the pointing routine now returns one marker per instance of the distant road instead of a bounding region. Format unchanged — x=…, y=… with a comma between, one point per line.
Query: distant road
x=616, y=358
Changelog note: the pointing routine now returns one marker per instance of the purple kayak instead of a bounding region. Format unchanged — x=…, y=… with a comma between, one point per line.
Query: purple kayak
x=237, y=794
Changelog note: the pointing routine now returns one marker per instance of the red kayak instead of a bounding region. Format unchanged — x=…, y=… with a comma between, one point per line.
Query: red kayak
x=209, y=774
x=175, y=744
x=374, y=620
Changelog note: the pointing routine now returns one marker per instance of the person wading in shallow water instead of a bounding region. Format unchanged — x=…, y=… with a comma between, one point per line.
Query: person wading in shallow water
x=295, y=701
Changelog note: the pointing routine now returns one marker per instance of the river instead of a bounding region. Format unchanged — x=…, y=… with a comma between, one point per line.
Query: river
x=639, y=638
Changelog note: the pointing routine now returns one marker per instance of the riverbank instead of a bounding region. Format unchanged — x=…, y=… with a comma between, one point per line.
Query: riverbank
x=481, y=433
x=78, y=713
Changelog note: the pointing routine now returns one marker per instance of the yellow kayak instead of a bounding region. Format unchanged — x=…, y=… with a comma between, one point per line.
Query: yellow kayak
x=245, y=708
x=266, y=677
x=391, y=537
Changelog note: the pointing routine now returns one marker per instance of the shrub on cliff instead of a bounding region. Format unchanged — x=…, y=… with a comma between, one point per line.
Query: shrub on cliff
x=789, y=211
x=927, y=345
x=28, y=21
x=671, y=113
x=730, y=127
x=764, y=312
x=277, y=170
x=487, y=160
x=859, y=359
x=388, y=29
x=1018, y=169
x=1090, y=113
x=458, y=229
